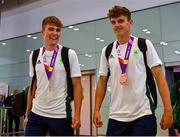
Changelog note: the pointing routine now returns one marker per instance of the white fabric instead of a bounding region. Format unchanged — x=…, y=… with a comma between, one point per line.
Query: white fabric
x=129, y=102
x=50, y=102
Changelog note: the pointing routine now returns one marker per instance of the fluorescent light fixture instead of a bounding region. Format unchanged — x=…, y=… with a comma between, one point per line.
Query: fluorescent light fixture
x=81, y=65
x=163, y=43
x=88, y=55
x=76, y=29
x=148, y=32
x=28, y=50
x=145, y=30
x=101, y=40
x=70, y=27
x=177, y=52
x=98, y=38
x=28, y=36
x=4, y=43
x=34, y=37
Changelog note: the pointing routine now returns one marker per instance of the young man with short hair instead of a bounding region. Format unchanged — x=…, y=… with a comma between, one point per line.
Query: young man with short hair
x=48, y=105
x=129, y=112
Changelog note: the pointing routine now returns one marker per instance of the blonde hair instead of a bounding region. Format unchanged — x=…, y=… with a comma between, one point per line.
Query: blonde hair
x=52, y=20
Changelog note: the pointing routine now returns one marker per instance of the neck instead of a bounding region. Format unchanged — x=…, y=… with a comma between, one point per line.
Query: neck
x=123, y=39
x=50, y=47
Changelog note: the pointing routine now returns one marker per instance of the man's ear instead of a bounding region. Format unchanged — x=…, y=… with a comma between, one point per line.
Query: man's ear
x=42, y=32
x=131, y=21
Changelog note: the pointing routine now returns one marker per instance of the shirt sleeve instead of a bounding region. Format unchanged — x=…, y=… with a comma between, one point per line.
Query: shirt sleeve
x=31, y=69
x=104, y=65
x=152, y=56
x=74, y=64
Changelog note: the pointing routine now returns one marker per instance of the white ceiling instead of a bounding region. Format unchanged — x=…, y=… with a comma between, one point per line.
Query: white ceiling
x=27, y=19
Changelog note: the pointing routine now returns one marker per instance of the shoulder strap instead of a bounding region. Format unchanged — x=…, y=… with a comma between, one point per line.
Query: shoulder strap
x=65, y=60
x=107, y=54
x=34, y=60
x=150, y=80
x=143, y=48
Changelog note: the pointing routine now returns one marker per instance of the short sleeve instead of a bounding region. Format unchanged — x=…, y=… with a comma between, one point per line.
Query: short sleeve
x=104, y=65
x=31, y=69
x=74, y=64
x=152, y=56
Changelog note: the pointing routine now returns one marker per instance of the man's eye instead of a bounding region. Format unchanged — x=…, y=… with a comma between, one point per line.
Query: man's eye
x=51, y=29
x=113, y=22
x=58, y=30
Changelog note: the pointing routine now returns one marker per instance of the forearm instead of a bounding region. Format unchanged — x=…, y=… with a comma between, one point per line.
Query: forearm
x=77, y=88
x=31, y=94
x=163, y=88
x=78, y=99
x=100, y=92
x=29, y=104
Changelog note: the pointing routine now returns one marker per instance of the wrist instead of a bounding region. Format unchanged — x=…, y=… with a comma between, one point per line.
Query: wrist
x=168, y=109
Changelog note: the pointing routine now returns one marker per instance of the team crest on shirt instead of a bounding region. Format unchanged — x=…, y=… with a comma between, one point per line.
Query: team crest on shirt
x=60, y=61
x=136, y=53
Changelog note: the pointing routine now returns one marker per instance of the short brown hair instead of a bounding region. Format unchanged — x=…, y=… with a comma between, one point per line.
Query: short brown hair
x=52, y=20
x=118, y=11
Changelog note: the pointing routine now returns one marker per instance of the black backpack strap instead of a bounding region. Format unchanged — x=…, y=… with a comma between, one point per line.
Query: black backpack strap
x=65, y=60
x=107, y=54
x=34, y=60
x=150, y=79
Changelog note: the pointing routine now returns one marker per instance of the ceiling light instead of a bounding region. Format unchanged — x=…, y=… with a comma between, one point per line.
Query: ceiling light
x=34, y=37
x=177, y=52
x=76, y=29
x=4, y=43
x=88, y=55
x=145, y=30
x=70, y=27
x=81, y=65
x=148, y=32
x=28, y=50
x=163, y=43
x=98, y=38
x=101, y=40
x=28, y=36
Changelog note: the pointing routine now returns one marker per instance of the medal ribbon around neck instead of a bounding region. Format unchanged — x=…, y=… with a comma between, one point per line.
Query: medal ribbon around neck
x=49, y=69
x=124, y=62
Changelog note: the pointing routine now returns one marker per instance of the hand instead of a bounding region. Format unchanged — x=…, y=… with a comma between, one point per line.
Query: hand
x=177, y=132
x=76, y=123
x=25, y=122
x=167, y=119
x=97, y=120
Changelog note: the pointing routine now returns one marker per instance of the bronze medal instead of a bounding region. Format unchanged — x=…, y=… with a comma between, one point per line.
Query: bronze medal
x=123, y=79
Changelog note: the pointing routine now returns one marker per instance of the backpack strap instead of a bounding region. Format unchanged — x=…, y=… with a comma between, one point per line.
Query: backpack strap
x=149, y=80
x=34, y=60
x=107, y=54
x=65, y=60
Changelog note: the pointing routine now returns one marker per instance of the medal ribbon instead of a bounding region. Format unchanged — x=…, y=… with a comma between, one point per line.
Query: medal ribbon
x=124, y=62
x=49, y=69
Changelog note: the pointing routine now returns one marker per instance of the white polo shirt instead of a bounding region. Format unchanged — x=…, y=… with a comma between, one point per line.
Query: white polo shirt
x=129, y=102
x=50, y=97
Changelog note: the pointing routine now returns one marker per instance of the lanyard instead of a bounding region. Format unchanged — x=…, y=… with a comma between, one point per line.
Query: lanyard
x=124, y=62
x=49, y=69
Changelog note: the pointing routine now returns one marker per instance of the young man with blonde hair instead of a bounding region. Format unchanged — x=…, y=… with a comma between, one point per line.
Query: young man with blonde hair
x=48, y=107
